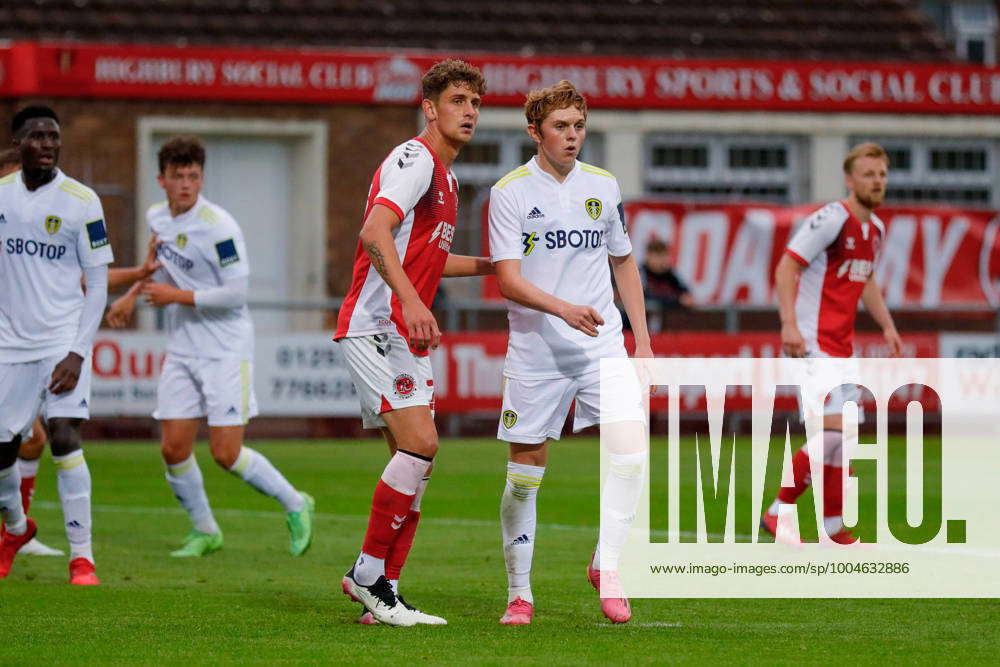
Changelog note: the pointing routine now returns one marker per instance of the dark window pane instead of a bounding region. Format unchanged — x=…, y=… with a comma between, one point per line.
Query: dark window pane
x=528, y=151
x=975, y=51
x=900, y=158
x=484, y=153
x=951, y=159
x=758, y=157
x=690, y=157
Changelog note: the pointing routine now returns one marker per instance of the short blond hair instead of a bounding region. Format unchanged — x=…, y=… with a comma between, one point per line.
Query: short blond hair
x=867, y=149
x=540, y=103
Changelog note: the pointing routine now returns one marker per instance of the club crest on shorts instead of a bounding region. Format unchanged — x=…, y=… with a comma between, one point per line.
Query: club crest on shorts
x=182, y=240
x=404, y=385
x=52, y=224
x=509, y=418
x=593, y=206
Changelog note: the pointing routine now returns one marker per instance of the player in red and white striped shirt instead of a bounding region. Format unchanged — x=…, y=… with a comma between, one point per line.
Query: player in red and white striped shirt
x=827, y=267
x=386, y=328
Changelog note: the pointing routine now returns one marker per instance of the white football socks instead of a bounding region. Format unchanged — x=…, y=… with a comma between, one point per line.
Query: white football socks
x=11, y=511
x=517, y=526
x=619, y=500
x=73, y=481
x=186, y=482
x=254, y=469
x=28, y=468
x=367, y=569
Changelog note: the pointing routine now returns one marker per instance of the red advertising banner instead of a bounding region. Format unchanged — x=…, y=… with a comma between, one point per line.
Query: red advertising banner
x=468, y=367
x=390, y=77
x=726, y=253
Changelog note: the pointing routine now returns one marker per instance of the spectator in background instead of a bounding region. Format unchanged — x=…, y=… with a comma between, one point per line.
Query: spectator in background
x=662, y=284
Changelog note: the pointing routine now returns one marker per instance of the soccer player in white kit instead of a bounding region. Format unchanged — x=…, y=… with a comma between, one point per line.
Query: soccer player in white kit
x=30, y=450
x=386, y=329
x=827, y=267
x=208, y=370
x=554, y=224
x=52, y=233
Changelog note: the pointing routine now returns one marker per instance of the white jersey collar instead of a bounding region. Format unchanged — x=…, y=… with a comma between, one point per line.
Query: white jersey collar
x=534, y=166
x=54, y=183
x=188, y=214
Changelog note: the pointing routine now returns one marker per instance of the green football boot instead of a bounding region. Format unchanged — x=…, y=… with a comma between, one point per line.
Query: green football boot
x=300, y=526
x=198, y=543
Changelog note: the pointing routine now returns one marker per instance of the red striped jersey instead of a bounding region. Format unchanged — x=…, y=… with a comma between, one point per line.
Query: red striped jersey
x=838, y=253
x=414, y=183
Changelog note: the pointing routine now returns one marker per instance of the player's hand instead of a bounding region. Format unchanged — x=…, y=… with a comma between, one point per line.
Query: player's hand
x=582, y=318
x=66, y=374
x=151, y=264
x=894, y=341
x=159, y=294
x=792, y=343
x=120, y=312
x=644, y=368
x=420, y=322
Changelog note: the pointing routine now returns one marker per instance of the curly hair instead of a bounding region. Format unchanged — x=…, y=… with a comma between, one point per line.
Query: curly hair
x=540, y=103
x=447, y=72
x=181, y=152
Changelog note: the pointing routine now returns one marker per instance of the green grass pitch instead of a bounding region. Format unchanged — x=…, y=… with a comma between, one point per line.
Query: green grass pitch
x=253, y=603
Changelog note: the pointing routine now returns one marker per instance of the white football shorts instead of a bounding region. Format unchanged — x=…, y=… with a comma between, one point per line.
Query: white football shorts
x=193, y=387
x=535, y=410
x=387, y=375
x=830, y=382
x=24, y=394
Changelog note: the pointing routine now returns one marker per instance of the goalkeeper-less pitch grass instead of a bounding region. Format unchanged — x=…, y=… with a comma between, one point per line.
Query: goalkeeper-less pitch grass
x=252, y=602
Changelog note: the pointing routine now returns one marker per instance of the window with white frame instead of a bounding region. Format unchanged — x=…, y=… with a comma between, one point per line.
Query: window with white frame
x=923, y=170
x=724, y=167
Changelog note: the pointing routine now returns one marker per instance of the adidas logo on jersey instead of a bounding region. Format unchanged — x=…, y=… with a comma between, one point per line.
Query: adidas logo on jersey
x=83, y=403
x=535, y=214
x=232, y=411
x=524, y=539
x=3, y=220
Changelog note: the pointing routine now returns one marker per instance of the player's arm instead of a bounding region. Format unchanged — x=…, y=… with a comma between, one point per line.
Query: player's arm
x=464, y=266
x=123, y=277
x=786, y=279
x=67, y=372
x=121, y=309
x=376, y=239
x=871, y=296
x=629, y=283
x=518, y=289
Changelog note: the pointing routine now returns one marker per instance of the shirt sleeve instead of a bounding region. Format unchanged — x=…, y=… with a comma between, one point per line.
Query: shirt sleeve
x=229, y=253
x=231, y=294
x=815, y=234
x=619, y=244
x=507, y=237
x=94, y=300
x=403, y=179
x=92, y=245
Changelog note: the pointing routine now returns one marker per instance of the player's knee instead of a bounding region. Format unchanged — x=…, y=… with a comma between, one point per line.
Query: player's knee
x=423, y=443
x=225, y=457
x=64, y=436
x=175, y=452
